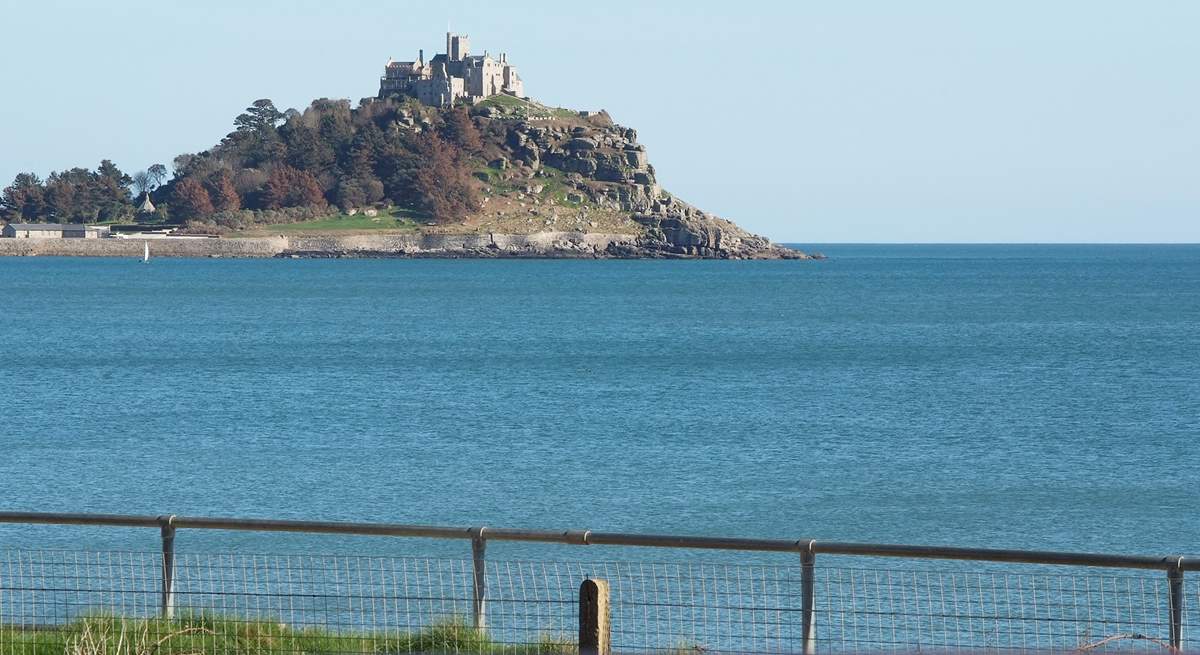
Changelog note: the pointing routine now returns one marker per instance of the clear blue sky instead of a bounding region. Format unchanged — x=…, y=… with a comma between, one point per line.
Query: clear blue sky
x=1016, y=121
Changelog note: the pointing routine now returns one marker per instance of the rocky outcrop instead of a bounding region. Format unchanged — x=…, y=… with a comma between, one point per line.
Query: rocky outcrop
x=688, y=232
x=693, y=237
x=607, y=167
x=544, y=245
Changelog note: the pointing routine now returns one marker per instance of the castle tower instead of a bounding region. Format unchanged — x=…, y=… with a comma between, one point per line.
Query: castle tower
x=458, y=46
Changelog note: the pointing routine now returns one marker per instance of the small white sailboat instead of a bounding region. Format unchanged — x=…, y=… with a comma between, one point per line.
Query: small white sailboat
x=145, y=253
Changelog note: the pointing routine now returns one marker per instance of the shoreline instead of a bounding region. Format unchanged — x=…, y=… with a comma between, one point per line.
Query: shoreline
x=538, y=245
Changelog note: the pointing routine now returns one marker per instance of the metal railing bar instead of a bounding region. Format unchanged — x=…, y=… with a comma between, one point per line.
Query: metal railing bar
x=999, y=555
x=322, y=527
x=585, y=537
x=108, y=520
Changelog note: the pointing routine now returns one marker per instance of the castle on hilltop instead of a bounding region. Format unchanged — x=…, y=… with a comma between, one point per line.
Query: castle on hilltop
x=454, y=75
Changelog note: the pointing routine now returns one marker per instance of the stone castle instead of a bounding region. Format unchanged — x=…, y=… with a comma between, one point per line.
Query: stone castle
x=452, y=76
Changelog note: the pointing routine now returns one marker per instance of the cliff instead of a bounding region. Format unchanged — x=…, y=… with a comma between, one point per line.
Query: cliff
x=605, y=173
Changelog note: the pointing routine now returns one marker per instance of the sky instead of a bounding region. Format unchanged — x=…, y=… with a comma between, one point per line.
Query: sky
x=807, y=122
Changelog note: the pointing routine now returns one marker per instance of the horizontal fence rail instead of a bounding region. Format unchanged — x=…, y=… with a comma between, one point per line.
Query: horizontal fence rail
x=220, y=603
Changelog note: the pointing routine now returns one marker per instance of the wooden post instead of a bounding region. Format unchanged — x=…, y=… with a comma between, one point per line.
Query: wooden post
x=595, y=636
x=166, y=605
x=1175, y=604
x=808, y=626
x=479, y=588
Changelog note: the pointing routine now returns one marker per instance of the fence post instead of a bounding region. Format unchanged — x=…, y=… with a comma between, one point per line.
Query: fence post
x=595, y=634
x=1175, y=603
x=808, y=628
x=479, y=589
x=166, y=606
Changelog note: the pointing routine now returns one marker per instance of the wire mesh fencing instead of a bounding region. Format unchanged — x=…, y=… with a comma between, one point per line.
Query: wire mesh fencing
x=872, y=610
x=59, y=601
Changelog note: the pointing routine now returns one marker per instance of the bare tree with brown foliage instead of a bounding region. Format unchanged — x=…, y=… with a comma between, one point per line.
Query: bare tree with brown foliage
x=223, y=193
x=191, y=199
x=460, y=130
x=444, y=184
x=289, y=187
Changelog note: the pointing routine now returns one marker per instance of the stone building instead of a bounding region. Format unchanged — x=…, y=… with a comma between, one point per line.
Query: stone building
x=452, y=76
x=53, y=231
x=146, y=207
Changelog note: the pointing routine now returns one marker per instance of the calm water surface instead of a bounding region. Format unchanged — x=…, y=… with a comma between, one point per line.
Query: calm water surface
x=1020, y=396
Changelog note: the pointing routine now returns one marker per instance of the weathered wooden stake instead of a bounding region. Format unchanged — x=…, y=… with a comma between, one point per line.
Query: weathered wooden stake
x=808, y=626
x=1175, y=604
x=166, y=607
x=595, y=634
x=479, y=589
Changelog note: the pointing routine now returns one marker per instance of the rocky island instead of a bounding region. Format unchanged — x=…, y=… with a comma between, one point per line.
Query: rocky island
x=448, y=160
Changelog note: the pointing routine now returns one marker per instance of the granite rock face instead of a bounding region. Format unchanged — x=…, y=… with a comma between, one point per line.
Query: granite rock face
x=607, y=167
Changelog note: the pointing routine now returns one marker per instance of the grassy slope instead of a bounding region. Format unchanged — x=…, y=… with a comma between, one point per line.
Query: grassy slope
x=529, y=108
x=211, y=636
x=395, y=220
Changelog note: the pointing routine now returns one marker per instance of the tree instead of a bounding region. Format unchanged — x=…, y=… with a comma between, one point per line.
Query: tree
x=141, y=183
x=258, y=117
x=76, y=195
x=113, y=176
x=365, y=151
x=158, y=174
x=307, y=150
x=353, y=156
x=24, y=198
x=254, y=139
x=290, y=187
x=350, y=194
x=150, y=179
x=191, y=199
x=355, y=192
x=398, y=164
x=62, y=199
x=443, y=185
x=111, y=192
x=461, y=131
x=223, y=193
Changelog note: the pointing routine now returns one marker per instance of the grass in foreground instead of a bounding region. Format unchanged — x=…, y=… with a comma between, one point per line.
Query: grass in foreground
x=204, y=635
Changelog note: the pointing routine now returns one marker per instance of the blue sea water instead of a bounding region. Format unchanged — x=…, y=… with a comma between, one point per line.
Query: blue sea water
x=1010, y=396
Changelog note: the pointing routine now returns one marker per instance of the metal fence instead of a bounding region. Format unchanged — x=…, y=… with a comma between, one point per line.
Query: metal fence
x=826, y=597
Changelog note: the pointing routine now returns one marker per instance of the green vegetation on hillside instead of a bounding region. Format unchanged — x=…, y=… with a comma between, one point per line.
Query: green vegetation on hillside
x=281, y=167
x=526, y=108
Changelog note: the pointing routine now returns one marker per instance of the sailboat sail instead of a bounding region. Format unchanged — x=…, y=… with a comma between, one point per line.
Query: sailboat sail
x=145, y=253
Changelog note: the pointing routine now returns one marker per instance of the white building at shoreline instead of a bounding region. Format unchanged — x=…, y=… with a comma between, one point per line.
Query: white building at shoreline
x=53, y=231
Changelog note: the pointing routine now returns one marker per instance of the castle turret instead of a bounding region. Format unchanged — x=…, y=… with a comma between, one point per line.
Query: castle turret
x=458, y=46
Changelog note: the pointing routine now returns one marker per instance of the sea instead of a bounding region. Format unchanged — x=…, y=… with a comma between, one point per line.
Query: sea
x=1008, y=396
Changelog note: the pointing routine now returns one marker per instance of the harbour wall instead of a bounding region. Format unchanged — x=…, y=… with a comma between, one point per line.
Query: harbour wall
x=541, y=244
